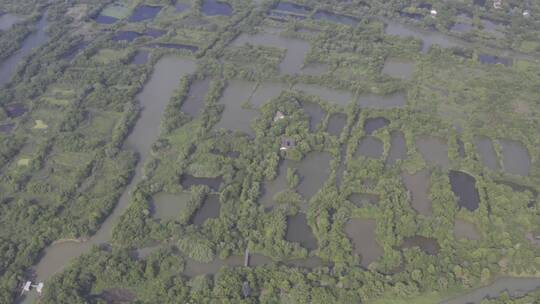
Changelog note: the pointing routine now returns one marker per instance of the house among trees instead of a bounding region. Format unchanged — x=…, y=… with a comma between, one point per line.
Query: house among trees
x=287, y=143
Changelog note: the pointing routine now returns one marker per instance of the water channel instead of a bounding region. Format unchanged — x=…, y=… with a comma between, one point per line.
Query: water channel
x=154, y=97
x=34, y=40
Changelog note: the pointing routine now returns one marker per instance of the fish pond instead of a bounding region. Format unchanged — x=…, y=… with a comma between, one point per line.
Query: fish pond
x=434, y=150
x=418, y=186
x=516, y=159
x=396, y=100
x=333, y=96
x=8, y=20
x=362, y=234
x=464, y=187
x=208, y=210
x=237, y=114
x=195, y=100
x=398, y=147
x=144, y=12
x=336, y=123
x=298, y=231
x=336, y=18
x=216, y=8
x=370, y=147
x=373, y=124
x=485, y=149
x=315, y=113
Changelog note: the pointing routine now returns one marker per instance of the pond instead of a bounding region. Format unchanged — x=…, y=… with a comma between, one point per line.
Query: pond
x=315, y=112
x=398, y=68
x=516, y=159
x=398, y=147
x=216, y=8
x=212, y=182
x=315, y=69
x=266, y=91
x=296, y=49
x=313, y=170
x=194, y=102
x=434, y=150
x=154, y=97
x=298, y=231
x=176, y=46
x=463, y=24
x=102, y=19
x=336, y=123
x=154, y=33
x=332, y=17
x=382, y=102
x=235, y=116
x=31, y=42
x=464, y=187
x=338, y=97
x=209, y=210
x=429, y=245
x=6, y=128
x=363, y=199
x=370, y=147
x=516, y=287
x=141, y=57
x=466, y=230
x=126, y=36
x=144, y=12
x=428, y=38
x=492, y=59
x=292, y=8
x=167, y=206
x=418, y=186
x=485, y=149
x=15, y=110
x=181, y=7
x=375, y=123
x=362, y=234
x=8, y=20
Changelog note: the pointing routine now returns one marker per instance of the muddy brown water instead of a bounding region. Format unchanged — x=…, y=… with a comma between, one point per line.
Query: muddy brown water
x=418, y=186
x=362, y=234
x=434, y=150
x=154, y=97
x=464, y=187
x=299, y=231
